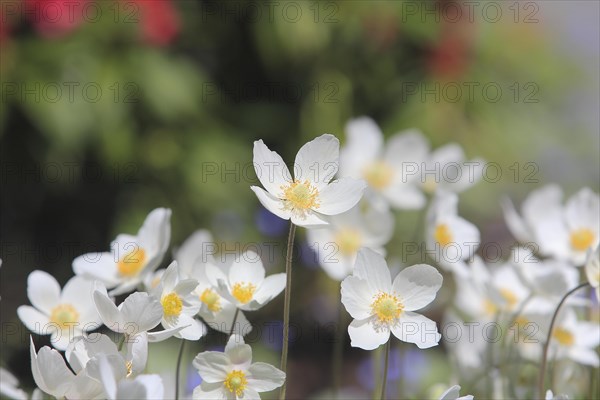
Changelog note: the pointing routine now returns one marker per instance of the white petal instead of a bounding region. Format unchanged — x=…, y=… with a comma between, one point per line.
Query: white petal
x=406, y=147
x=515, y=223
x=213, y=366
x=364, y=141
x=270, y=288
x=127, y=286
x=247, y=267
x=153, y=385
x=585, y=356
x=270, y=202
x=310, y=220
x=318, y=160
x=405, y=197
x=170, y=277
x=542, y=204
x=108, y=311
x=583, y=210
x=357, y=297
x=417, y=329
x=270, y=168
x=372, y=267
x=159, y=336
x=192, y=251
x=98, y=266
x=137, y=352
x=193, y=330
x=141, y=312
x=34, y=320
x=340, y=196
x=155, y=235
x=239, y=353
x=78, y=292
x=210, y=391
x=364, y=336
x=50, y=372
x=43, y=291
x=263, y=377
x=417, y=286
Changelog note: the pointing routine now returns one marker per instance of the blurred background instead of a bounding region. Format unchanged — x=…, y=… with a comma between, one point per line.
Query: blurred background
x=112, y=108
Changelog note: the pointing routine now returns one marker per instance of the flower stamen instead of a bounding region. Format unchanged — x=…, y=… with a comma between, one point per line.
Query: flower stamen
x=300, y=197
x=172, y=304
x=243, y=292
x=236, y=382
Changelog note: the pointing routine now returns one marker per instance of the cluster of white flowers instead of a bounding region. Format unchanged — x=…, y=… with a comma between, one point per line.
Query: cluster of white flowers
x=346, y=200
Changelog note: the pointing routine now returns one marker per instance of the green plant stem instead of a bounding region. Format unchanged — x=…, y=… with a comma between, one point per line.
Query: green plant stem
x=338, y=349
x=121, y=342
x=178, y=370
x=235, y=316
x=542, y=375
x=385, y=370
x=286, y=304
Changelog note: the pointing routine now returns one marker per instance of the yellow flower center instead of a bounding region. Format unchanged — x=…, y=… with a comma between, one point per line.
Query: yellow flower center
x=132, y=263
x=563, y=336
x=172, y=305
x=129, y=368
x=64, y=315
x=443, y=235
x=378, y=175
x=236, y=382
x=211, y=299
x=430, y=184
x=489, y=307
x=348, y=241
x=582, y=239
x=243, y=292
x=387, y=308
x=300, y=197
x=510, y=297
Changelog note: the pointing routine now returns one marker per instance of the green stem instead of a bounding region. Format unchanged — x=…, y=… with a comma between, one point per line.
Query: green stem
x=235, y=316
x=121, y=342
x=402, y=366
x=542, y=375
x=178, y=370
x=338, y=349
x=286, y=304
x=385, y=370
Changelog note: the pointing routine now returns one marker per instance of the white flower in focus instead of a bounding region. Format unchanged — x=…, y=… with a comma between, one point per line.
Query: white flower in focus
x=379, y=306
x=337, y=244
x=232, y=375
x=179, y=304
x=390, y=170
x=9, y=385
x=592, y=270
x=450, y=238
x=453, y=393
x=62, y=314
x=243, y=283
x=574, y=339
x=563, y=232
x=310, y=194
x=131, y=257
x=142, y=387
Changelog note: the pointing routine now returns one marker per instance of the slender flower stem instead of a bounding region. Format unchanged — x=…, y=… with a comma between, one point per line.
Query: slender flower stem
x=542, y=375
x=286, y=304
x=235, y=316
x=338, y=349
x=121, y=342
x=178, y=370
x=385, y=370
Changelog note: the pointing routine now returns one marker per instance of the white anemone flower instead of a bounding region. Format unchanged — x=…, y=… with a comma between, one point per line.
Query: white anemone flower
x=142, y=387
x=62, y=314
x=592, y=270
x=232, y=375
x=449, y=238
x=244, y=284
x=563, y=232
x=131, y=257
x=380, y=306
x=9, y=386
x=574, y=339
x=196, y=250
x=337, y=244
x=310, y=194
x=179, y=304
x=453, y=393
x=390, y=169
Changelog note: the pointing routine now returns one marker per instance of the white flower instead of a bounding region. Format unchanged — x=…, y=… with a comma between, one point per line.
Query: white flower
x=592, y=270
x=232, y=375
x=194, y=251
x=379, y=306
x=179, y=304
x=449, y=237
x=131, y=257
x=564, y=232
x=391, y=171
x=453, y=393
x=244, y=284
x=62, y=314
x=337, y=244
x=310, y=194
x=142, y=387
x=575, y=339
x=9, y=386
x=551, y=396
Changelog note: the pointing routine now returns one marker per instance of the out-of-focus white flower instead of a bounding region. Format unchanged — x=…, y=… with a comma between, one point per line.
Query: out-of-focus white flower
x=310, y=194
x=551, y=396
x=564, y=232
x=390, y=170
x=450, y=238
x=142, y=387
x=131, y=258
x=453, y=393
x=379, y=306
x=337, y=244
x=244, y=284
x=574, y=339
x=179, y=304
x=196, y=250
x=62, y=314
x=232, y=375
x=592, y=270
x=9, y=386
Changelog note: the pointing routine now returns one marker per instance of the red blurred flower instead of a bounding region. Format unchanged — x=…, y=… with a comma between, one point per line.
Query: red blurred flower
x=159, y=21
x=450, y=56
x=54, y=18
